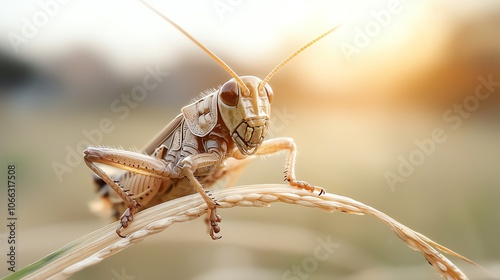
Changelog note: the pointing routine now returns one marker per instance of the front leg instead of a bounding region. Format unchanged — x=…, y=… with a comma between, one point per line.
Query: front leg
x=189, y=166
x=277, y=145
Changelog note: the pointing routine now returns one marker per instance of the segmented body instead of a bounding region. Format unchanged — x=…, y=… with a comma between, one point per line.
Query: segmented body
x=188, y=155
x=196, y=131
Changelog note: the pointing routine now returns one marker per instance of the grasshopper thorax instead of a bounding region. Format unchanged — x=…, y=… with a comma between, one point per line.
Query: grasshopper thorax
x=244, y=102
x=246, y=112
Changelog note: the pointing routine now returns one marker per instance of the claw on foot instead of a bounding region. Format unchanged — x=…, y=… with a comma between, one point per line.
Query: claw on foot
x=214, y=223
x=305, y=185
x=118, y=231
x=321, y=191
x=125, y=219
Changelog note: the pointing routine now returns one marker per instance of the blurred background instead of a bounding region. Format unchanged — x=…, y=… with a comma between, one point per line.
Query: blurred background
x=398, y=108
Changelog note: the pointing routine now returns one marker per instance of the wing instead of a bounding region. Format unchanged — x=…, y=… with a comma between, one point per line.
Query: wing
x=163, y=135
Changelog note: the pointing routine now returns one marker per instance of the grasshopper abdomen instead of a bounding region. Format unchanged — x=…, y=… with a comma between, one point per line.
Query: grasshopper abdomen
x=191, y=152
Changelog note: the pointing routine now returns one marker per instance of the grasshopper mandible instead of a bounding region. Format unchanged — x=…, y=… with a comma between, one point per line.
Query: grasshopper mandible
x=212, y=137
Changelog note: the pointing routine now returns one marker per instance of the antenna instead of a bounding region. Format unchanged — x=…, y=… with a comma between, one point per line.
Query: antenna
x=210, y=53
x=286, y=60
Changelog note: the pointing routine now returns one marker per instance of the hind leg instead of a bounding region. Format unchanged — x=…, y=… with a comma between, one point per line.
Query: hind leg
x=146, y=176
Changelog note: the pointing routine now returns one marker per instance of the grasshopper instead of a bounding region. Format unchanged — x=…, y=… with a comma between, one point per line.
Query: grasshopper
x=213, y=137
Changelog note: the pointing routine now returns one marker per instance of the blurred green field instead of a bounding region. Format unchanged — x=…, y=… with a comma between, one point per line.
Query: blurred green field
x=352, y=120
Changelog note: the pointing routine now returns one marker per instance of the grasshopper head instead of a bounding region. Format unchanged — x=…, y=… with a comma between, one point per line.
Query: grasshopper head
x=246, y=112
x=244, y=102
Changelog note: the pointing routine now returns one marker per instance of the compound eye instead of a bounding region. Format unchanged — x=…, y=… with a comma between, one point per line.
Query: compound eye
x=229, y=93
x=269, y=92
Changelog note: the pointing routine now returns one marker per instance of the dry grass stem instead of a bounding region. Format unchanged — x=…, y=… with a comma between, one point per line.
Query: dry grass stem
x=104, y=242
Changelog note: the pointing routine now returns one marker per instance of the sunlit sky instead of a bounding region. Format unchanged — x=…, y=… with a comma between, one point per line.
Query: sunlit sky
x=129, y=33
x=400, y=38
x=353, y=119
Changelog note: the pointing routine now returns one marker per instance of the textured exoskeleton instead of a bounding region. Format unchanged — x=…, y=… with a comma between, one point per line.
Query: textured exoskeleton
x=192, y=152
